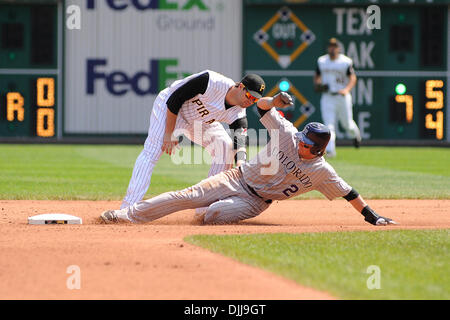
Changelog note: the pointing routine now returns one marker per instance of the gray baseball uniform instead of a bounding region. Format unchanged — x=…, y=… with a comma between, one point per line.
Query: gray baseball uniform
x=276, y=173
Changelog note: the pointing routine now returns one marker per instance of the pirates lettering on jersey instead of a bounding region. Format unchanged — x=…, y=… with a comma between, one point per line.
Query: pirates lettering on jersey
x=202, y=109
x=292, y=168
x=340, y=76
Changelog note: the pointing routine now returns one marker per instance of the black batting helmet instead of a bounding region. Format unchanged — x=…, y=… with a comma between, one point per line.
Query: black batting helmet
x=317, y=135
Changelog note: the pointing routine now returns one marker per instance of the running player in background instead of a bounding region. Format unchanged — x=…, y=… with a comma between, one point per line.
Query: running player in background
x=196, y=106
x=335, y=78
x=289, y=165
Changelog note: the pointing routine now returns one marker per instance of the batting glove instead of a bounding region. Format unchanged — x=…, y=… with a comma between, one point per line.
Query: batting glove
x=321, y=87
x=282, y=100
x=373, y=218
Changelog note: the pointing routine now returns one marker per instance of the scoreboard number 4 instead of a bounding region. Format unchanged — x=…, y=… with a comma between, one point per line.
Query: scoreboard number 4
x=45, y=102
x=436, y=102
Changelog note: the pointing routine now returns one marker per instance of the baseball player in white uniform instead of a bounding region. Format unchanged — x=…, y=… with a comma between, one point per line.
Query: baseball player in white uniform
x=335, y=78
x=290, y=164
x=195, y=106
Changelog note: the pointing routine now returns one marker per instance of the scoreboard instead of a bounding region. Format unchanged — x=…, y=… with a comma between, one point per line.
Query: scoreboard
x=29, y=69
x=402, y=66
x=37, y=117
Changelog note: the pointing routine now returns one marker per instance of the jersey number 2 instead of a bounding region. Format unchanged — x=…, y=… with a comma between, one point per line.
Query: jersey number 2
x=292, y=189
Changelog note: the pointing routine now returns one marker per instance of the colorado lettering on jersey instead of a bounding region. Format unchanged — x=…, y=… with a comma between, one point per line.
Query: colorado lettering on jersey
x=292, y=168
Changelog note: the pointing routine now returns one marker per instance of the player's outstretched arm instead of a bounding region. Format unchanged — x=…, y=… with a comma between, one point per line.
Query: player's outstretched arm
x=280, y=100
x=369, y=214
x=240, y=141
x=169, y=142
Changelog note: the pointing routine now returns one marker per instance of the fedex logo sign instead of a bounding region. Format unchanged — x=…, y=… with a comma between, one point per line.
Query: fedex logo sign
x=118, y=83
x=151, y=4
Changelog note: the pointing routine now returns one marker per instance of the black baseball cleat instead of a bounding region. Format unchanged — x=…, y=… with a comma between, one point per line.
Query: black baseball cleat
x=356, y=143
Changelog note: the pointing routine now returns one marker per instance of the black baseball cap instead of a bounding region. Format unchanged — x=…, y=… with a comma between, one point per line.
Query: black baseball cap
x=333, y=42
x=254, y=84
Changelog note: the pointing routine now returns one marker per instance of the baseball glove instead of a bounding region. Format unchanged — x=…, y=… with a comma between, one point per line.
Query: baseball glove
x=319, y=87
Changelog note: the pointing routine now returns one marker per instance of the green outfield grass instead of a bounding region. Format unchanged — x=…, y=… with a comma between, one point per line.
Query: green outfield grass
x=411, y=264
x=100, y=172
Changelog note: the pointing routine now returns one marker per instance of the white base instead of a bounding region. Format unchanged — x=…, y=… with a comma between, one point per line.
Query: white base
x=54, y=218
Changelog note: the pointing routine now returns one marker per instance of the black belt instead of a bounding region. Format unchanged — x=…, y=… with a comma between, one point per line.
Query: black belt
x=254, y=192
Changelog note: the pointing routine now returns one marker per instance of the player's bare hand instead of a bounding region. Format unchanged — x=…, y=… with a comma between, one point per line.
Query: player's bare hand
x=343, y=92
x=282, y=100
x=383, y=221
x=170, y=143
x=319, y=87
x=373, y=218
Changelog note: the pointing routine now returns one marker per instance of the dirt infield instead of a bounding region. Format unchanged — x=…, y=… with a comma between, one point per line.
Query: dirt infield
x=152, y=261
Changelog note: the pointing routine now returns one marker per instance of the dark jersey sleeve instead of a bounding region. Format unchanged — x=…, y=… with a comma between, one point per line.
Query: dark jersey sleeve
x=240, y=140
x=352, y=195
x=261, y=111
x=350, y=70
x=318, y=70
x=187, y=91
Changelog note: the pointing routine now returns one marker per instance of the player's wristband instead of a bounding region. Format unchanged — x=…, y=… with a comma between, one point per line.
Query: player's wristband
x=240, y=156
x=261, y=112
x=370, y=215
x=352, y=195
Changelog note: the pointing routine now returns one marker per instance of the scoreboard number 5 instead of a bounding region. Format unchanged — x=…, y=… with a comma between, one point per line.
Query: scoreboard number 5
x=436, y=102
x=45, y=102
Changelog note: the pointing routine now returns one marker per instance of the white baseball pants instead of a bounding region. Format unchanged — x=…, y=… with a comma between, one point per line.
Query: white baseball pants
x=213, y=137
x=338, y=108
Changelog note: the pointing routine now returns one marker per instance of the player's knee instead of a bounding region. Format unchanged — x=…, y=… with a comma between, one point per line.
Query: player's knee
x=331, y=127
x=152, y=150
x=346, y=126
x=211, y=214
x=215, y=215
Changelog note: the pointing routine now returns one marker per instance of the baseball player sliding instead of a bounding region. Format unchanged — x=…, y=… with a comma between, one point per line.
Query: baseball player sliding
x=195, y=106
x=335, y=78
x=290, y=164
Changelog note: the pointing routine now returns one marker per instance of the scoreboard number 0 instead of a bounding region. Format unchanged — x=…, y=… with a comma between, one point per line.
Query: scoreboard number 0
x=45, y=103
x=45, y=92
